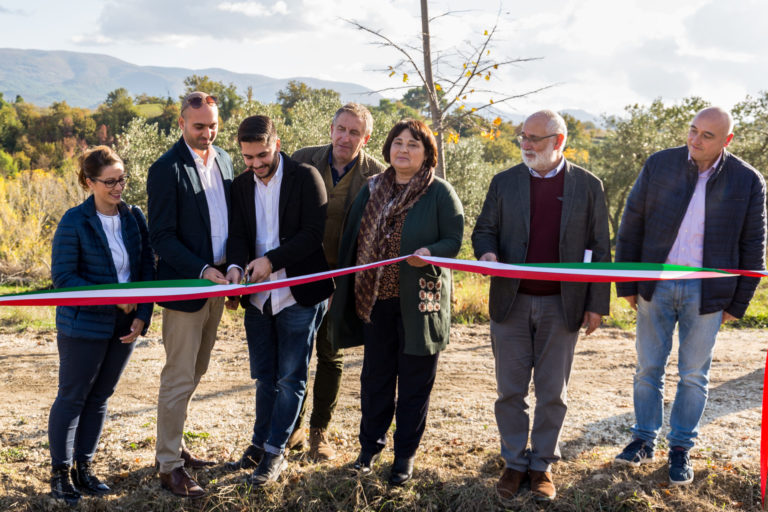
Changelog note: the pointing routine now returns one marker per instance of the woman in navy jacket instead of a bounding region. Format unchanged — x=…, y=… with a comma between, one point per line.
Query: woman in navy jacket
x=101, y=241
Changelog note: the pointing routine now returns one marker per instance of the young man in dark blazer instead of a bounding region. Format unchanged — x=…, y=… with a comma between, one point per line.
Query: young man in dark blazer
x=188, y=194
x=544, y=210
x=278, y=219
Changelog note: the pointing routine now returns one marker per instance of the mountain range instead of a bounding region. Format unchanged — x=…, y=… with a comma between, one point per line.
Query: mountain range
x=42, y=77
x=84, y=79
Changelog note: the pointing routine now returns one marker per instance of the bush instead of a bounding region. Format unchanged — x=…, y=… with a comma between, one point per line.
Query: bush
x=31, y=204
x=470, y=176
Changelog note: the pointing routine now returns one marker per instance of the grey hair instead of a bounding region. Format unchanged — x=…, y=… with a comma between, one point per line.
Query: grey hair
x=360, y=112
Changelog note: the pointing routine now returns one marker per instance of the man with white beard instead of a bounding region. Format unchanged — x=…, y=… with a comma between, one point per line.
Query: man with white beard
x=544, y=210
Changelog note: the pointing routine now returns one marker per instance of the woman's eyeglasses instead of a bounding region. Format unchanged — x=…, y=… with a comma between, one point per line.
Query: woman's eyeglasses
x=111, y=182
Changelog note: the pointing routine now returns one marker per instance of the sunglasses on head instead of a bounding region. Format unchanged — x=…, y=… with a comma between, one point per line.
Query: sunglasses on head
x=197, y=101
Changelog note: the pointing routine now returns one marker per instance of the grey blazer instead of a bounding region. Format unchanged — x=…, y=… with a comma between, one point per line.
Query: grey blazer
x=503, y=228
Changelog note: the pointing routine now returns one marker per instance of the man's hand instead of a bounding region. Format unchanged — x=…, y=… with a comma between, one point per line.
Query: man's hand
x=136, y=327
x=234, y=276
x=127, y=308
x=631, y=300
x=727, y=317
x=489, y=256
x=214, y=276
x=417, y=262
x=258, y=270
x=591, y=322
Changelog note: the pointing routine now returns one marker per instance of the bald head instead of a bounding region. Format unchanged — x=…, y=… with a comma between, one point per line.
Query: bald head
x=710, y=131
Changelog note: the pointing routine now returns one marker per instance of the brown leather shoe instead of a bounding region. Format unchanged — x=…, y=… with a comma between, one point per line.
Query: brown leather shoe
x=296, y=441
x=542, y=486
x=319, y=447
x=181, y=484
x=190, y=461
x=509, y=483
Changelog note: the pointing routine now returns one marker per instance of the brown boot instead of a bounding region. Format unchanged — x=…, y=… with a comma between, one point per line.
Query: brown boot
x=509, y=483
x=181, y=484
x=319, y=447
x=542, y=486
x=296, y=441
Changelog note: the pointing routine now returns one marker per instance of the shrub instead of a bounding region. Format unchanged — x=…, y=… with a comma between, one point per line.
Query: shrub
x=31, y=204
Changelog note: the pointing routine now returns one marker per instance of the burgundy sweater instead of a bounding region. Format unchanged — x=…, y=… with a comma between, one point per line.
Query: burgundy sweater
x=544, y=238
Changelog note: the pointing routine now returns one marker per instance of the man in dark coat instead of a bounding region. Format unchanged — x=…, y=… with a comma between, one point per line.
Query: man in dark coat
x=698, y=206
x=188, y=194
x=345, y=167
x=278, y=217
x=545, y=210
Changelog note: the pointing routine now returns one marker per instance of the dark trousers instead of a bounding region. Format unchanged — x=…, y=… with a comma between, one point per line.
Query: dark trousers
x=88, y=373
x=386, y=367
x=327, y=384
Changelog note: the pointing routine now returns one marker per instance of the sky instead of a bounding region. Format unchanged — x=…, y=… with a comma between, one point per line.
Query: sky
x=594, y=55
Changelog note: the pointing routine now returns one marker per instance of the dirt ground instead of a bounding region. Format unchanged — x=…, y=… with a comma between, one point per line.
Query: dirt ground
x=459, y=450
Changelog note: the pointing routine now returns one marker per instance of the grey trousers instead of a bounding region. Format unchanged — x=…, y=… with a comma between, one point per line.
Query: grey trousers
x=533, y=339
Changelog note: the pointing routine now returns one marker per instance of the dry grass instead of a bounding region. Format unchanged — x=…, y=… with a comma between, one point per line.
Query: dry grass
x=457, y=464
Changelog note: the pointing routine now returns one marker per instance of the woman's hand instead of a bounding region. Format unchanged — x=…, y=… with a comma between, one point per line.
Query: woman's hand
x=136, y=327
x=418, y=262
x=127, y=308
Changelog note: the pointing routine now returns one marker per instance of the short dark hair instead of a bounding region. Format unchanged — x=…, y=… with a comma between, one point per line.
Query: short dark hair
x=93, y=161
x=256, y=129
x=419, y=131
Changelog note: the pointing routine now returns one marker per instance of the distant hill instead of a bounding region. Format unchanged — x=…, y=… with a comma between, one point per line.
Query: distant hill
x=84, y=79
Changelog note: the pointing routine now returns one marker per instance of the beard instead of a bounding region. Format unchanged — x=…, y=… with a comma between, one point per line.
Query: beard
x=270, y=170
x=541, y=161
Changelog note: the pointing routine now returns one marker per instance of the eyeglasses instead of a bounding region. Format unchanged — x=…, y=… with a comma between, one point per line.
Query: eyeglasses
x=197, y=101
x=111, y=182
x=533, y=139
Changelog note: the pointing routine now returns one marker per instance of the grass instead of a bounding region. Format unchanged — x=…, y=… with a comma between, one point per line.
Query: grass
x=149, y=109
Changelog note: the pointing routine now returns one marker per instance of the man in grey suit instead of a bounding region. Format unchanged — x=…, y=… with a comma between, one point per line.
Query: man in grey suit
x=545, y=210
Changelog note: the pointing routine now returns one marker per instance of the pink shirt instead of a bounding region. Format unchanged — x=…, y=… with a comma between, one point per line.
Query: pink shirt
x=688, y=248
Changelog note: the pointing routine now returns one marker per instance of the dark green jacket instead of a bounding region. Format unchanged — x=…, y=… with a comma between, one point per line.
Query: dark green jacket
x=436, y=222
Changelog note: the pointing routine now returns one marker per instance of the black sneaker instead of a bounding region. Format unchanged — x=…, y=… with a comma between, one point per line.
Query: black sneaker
x=61, y=487
x=637, y=452
x=269, y=469
x=250, y=459
x=680, y=469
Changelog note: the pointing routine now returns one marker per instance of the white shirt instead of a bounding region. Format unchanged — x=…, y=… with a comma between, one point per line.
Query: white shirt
x=688, y=248
x=113, y=230
x=267, y=199
x=213, y=185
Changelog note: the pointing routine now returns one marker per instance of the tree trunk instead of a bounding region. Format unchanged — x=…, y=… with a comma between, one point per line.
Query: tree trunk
x=437, y=121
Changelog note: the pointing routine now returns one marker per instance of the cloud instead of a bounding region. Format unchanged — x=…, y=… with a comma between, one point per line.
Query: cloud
x=181, y=21
x=254, y=9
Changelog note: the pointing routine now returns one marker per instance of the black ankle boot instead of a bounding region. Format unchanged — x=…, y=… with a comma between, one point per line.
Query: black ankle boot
x=61, y=487
x=402, y=470
x=86, y=481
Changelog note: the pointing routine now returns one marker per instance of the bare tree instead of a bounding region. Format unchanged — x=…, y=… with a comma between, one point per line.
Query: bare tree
x=449, y=93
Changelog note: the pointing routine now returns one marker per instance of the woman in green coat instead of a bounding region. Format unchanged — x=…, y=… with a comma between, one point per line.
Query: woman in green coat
x=401, y=312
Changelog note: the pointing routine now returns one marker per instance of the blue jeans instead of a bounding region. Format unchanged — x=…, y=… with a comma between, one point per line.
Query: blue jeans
x=673, y=302
x=279, y=348
x=88, y=373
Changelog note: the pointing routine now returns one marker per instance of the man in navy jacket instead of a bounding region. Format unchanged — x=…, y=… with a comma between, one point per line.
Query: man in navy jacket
x=188, y=192
x=698, y=206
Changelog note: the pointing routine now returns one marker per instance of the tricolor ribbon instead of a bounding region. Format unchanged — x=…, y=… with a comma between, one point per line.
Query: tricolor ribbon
x=161, y=291
x=186, y=289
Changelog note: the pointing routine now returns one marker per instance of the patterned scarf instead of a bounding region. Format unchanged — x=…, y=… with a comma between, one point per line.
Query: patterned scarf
x=378, y=218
